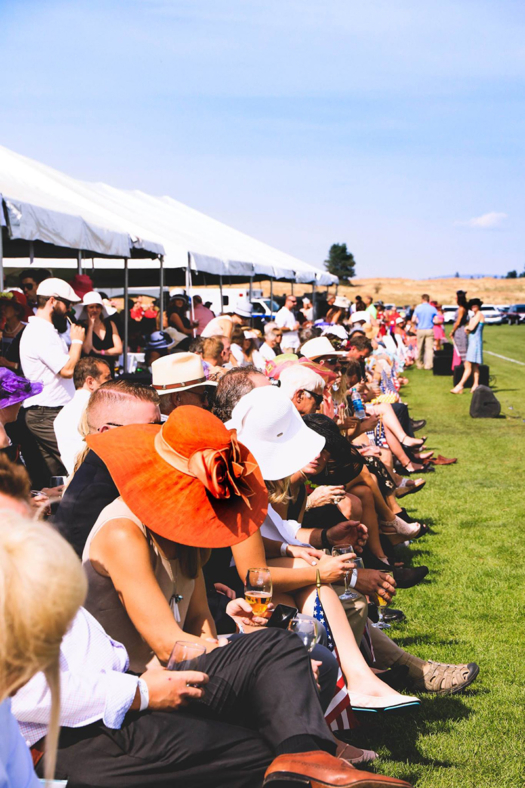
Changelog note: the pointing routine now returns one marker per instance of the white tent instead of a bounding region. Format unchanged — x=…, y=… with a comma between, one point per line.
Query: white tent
x=103, y=219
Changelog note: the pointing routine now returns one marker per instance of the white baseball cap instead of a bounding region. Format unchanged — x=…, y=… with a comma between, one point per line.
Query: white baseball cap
x=58, y=289
x=269, y=425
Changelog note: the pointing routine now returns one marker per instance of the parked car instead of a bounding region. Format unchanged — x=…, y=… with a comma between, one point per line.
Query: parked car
x=449, y=312
x=516, y=313
x=492, y=314
x=504, y=312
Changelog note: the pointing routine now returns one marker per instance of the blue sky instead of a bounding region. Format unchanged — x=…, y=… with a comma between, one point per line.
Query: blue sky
x=397, y=126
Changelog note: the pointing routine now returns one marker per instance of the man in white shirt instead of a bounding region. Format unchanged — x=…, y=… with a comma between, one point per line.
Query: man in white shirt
x=45, y=357
x=288, y=323
x=90, y=373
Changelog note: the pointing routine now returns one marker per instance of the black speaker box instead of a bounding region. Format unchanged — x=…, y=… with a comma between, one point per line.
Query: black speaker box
x=447, y=349
x=442, y=365
x=484, y=404
x=483, y=375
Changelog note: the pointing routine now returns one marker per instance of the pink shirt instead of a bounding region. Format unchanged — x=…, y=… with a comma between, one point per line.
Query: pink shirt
x=203, y=315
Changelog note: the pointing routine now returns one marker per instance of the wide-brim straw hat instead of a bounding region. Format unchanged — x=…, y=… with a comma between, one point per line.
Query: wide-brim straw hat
x=91, y=298
x=178, y=372
x=14, y=389
x=190, y=480
x=270, y=426
x=320, y=346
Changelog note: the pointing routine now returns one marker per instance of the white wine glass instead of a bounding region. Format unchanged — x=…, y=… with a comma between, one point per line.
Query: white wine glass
x=345, y=549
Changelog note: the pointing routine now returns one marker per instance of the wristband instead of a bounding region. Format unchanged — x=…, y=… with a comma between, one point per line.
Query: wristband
x=353, y=578
x=77, y=341
x=324, y=539
x=144, y=694
x=284, y=548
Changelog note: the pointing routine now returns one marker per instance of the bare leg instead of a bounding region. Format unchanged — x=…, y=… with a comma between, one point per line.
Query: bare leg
x=369, y=518
x=466, y=374
x=399, y=453
x=475, y=375
x=391, y=421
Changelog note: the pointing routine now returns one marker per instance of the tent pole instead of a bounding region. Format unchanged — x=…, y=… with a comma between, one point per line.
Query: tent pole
x=250, y=297
x=314, y=300
x=271, y=297
x=1, y=253
x=126, y=314
x=31, y=252
x=161, y=294
x=79, y=261
x=188, y=293
x=292, y=287
x=220, y=294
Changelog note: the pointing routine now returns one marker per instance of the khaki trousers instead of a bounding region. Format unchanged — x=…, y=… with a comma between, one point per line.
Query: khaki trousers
x=385, y=650
x=425, y=347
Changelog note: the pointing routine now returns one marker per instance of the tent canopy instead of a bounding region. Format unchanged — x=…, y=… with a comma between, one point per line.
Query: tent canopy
x=37, y=198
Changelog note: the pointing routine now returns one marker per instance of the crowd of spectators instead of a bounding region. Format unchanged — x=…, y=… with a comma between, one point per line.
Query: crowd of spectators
x=283, y=455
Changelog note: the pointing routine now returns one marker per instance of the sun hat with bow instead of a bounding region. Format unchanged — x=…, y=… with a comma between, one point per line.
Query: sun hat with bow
x=270, y=426
x=14, y=389
x=189, y=480
x=18, y=301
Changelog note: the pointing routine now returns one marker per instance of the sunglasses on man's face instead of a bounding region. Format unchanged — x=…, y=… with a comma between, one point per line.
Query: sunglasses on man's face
x=67, y=304
x=317, y=397
x=28, y=286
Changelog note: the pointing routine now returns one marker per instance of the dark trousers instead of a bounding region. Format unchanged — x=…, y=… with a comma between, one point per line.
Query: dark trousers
x=401, y=411
x=261, y=701
x=39, y=445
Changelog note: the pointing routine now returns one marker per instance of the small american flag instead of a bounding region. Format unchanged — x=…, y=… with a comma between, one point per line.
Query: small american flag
x=339, y=714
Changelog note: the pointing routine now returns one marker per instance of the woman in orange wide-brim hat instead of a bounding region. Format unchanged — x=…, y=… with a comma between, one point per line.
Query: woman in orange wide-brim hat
x=184, y=486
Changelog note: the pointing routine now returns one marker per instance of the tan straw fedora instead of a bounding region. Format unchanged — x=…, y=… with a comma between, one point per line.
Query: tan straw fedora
x=178, y=372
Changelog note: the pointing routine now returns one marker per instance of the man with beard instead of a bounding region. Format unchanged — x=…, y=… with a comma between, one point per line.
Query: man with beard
x=44, y=356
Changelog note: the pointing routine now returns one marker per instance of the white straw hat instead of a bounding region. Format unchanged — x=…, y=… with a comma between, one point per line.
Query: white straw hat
x=357, y=317
x=243, y=307
x=91, y=298
x=57, y=288
x=320, y=346
x=178, y=372
x=270, y=427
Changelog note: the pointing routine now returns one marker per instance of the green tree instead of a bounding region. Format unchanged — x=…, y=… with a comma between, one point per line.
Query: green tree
x=340, y=262
x=512, y=275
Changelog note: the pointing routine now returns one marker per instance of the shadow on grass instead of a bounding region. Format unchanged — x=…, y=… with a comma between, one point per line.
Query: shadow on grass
x=399, y=734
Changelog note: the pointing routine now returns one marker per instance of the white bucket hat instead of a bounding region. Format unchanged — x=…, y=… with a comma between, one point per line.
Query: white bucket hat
x=357, y=317
x=91, y=298
x=58, y=289
x=243, y=307
x=178, y=372
x=270, y=427
x=320, y=346
x=342, y=302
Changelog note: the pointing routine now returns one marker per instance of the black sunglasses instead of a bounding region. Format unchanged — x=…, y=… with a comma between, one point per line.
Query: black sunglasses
x=317, y=397
x=68, y=304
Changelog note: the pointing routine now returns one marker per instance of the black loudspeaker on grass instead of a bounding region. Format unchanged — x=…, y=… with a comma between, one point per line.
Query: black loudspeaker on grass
x=484, y=404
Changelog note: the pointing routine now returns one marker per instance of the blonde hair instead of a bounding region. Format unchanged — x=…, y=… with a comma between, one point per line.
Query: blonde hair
x=279, y=491
x=42, y=586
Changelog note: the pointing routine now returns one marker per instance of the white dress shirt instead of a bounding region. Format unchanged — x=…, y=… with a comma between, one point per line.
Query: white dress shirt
x=69, y=439
x=16, y=766
x=93, y=683
x=43, y=353
x=274, y=527
x=286, y=319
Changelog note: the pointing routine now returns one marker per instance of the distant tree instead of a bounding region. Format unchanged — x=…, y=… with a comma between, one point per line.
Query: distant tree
x=457, y=274
x=340, y=262
x=512, y=275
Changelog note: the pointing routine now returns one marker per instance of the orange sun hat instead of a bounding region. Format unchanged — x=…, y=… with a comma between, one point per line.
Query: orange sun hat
x=188, y=480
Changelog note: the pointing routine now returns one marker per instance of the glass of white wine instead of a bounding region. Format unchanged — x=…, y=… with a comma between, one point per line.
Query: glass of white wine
x=307, y=629
x=344, y=549
x=258, y=590
x=382, y=604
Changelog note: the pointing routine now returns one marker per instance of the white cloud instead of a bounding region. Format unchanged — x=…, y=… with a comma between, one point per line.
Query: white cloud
x=487, y=221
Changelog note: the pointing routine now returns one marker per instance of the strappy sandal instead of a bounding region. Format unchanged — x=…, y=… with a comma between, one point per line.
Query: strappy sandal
x=399, y=531
x=409, y=486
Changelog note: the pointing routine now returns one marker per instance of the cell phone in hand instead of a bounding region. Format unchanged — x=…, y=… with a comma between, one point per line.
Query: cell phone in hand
x=281, y=616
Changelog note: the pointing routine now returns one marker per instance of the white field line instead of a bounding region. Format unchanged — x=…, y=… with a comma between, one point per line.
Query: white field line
x=521, y=363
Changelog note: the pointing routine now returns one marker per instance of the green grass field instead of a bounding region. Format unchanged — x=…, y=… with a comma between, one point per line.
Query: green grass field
x=469, y=608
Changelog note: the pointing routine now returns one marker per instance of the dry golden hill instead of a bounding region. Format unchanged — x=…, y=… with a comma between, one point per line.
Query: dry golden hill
x=408, y=291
